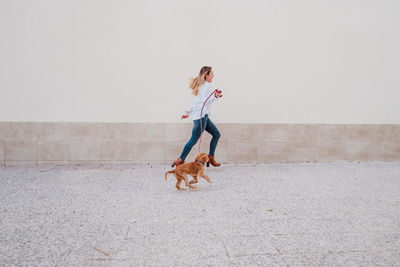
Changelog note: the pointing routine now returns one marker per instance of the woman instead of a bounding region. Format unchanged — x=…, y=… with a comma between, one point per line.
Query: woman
x=201, y=88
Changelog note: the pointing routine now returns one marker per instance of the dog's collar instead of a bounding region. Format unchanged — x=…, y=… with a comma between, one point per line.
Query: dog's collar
x=200, y=162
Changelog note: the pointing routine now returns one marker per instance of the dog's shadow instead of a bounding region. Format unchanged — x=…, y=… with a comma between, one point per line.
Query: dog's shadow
x=200, y=188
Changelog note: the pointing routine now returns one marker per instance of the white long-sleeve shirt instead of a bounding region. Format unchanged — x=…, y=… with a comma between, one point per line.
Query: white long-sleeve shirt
x=195, y=108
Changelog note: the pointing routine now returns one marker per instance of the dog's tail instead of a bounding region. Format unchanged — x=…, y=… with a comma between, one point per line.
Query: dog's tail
x=173, y=171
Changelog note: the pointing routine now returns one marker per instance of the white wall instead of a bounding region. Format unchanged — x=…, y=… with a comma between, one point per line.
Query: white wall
x=129, y=61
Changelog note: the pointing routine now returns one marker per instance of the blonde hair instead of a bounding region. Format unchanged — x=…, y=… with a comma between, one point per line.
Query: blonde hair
x=198, y=81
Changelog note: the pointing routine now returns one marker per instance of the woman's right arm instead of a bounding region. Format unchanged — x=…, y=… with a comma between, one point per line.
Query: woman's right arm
x=188, y=111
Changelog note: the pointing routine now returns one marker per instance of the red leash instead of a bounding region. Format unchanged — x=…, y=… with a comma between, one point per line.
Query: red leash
x=201, y=118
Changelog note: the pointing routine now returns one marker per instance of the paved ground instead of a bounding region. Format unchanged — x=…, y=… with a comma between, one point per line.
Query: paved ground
x=311, y=214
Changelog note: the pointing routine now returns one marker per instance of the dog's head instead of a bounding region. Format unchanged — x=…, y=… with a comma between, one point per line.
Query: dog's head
x=203, y=157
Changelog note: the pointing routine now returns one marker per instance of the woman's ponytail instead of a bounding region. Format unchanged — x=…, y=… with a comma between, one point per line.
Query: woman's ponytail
x=198, y=81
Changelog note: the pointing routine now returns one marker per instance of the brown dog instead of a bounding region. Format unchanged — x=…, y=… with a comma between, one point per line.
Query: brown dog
x=194, y=168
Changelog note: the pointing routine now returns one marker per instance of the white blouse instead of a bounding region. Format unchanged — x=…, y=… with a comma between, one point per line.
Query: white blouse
x=195, y=109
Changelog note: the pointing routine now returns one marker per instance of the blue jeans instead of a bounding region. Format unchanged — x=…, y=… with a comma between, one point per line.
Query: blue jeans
x=207, y=125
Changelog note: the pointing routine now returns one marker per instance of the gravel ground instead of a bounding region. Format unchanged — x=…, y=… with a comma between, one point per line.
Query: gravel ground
x=311, y=214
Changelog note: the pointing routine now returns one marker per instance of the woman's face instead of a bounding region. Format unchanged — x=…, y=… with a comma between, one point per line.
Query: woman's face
x=210, y=76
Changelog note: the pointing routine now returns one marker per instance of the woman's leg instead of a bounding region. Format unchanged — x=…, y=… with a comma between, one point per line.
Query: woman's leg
x=195, y=136
x=213, y=130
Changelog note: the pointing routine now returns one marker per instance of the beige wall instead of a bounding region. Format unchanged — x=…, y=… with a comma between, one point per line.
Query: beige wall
x=293, y=61
x=127, y=143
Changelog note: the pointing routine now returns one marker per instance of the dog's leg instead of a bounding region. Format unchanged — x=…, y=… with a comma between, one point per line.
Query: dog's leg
x=177, y=185
x=178, y=182
x=205, y=176
x=187, y=182
x=194, y=180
